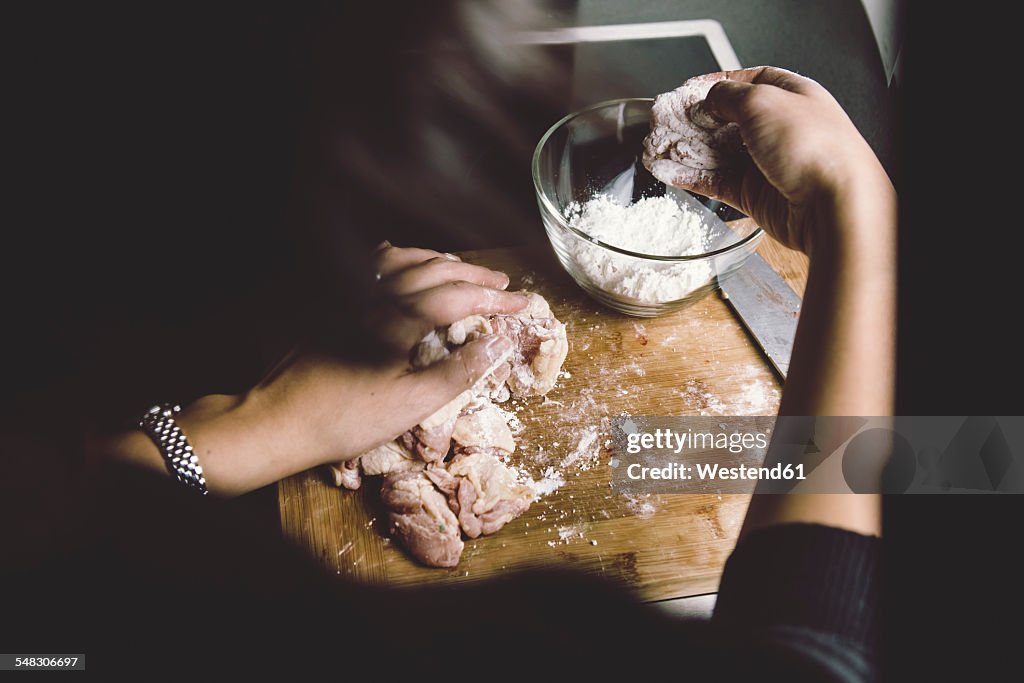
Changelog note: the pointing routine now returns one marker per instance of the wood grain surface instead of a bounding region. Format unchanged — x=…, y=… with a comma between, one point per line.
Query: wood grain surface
x=695, y=361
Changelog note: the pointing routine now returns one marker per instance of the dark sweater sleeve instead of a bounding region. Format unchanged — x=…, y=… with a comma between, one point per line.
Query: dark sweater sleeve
x=807, y=576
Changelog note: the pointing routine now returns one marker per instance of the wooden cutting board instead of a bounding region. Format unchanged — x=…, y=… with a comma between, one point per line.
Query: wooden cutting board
x=695, y=361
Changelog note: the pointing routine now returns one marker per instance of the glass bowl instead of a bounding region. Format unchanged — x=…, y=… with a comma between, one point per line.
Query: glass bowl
x=597, y=151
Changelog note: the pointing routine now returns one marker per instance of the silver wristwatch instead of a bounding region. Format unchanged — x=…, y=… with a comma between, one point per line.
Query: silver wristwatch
x=159, y=424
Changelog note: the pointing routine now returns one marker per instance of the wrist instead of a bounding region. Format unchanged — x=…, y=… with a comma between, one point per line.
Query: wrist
x=238, y=443
x=854, y=219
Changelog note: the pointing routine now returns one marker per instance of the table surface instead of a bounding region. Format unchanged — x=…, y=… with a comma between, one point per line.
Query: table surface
x=695, y=361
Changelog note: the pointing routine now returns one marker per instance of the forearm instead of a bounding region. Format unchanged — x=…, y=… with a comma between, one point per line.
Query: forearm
x=844, y=353
x=239, y=444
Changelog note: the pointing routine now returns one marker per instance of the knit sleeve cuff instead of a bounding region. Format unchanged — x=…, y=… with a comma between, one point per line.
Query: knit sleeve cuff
x=810, y=575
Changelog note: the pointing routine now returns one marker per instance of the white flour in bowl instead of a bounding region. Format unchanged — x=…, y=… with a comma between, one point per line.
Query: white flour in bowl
x=653, y=225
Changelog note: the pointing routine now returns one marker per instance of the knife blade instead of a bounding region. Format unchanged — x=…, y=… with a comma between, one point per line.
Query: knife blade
x=767, y=307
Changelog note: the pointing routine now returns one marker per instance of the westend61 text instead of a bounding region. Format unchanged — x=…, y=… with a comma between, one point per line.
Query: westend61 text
x=715, y=472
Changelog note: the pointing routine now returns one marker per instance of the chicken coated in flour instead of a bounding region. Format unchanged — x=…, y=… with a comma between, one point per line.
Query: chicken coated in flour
x=446, y=476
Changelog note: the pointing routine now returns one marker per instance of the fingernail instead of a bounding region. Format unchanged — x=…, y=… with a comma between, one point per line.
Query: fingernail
x=452, y=257
x=503, y=277
x=383, y=245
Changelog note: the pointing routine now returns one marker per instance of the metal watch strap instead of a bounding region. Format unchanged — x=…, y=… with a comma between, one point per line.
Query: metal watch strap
x=159, y=424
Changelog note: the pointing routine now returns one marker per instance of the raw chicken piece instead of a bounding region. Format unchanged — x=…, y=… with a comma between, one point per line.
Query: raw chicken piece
x=388, y=458
x=540, y=347
x=431, y=349
x=430, y=443
x=431, y=438
x=346, y=474
x=436, y=346
x=420, y=516
x=429, y=500
x=384, y=459
x=482, y=491
x=468, y=329
x=687, y=147
x=484, y=427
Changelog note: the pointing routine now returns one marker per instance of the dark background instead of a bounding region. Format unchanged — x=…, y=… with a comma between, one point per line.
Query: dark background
x=169, y=207
x=952, y=564
x=152, y=156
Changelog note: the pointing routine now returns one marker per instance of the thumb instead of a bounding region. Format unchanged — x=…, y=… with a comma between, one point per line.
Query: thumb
x=726, y=100
x=398, y=402
x=466, y=365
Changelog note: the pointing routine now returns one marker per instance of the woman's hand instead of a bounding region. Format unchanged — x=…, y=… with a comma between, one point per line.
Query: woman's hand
x=811, y=181
x=805, y=160
x=314, y=408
